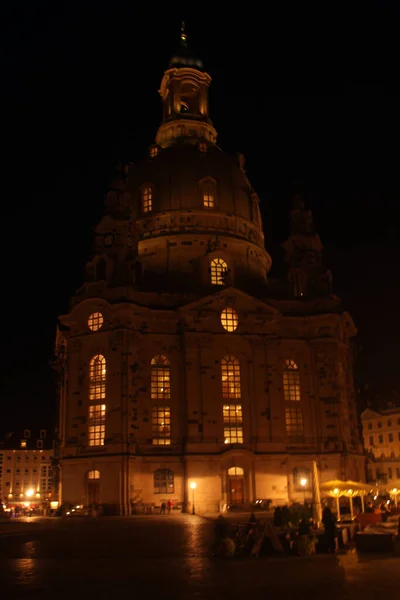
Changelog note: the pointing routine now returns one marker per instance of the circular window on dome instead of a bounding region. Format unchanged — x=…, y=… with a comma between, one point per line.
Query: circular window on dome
x=229, y=319
x=153, y=151
x=202, y=147
x=95, y=321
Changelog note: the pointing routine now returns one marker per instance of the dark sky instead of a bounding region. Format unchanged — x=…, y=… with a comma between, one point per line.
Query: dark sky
x=309, y=96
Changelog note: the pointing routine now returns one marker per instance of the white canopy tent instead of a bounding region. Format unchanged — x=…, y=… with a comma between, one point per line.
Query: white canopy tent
x=336, y=488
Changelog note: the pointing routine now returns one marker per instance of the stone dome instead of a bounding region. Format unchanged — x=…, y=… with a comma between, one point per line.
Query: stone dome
x=192, y=204
x=177, y=174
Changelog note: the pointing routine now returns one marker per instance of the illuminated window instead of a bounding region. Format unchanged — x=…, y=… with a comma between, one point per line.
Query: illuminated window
x=160, y=378
x=147, y=199
x=229, y=319
x=163, y=481
x=233, y=424
x=202, y=147
x=294, y=421
x=97, y=391
x=95, y=321
x=230, y=376
x=97, y=424
x=161, y=425
x=97, y=378
x=218, y=269
x=23, y=443
x=208, y=189
x=94, y=474
x=235, y=471
x=153, y=151
x=291, y=381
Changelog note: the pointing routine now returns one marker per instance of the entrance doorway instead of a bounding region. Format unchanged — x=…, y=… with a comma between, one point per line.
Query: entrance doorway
x=93, y=487
x=236, y=485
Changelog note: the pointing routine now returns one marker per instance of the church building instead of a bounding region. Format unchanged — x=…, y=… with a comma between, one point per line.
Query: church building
x=184, y=373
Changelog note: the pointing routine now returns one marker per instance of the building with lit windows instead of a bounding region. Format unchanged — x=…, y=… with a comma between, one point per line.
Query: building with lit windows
x=26, y=469
x=179, y=361
x=381, y=433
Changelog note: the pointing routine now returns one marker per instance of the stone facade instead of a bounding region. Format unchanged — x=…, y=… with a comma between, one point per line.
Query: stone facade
x=27, y=475
x=381, y=433
x=179, y=361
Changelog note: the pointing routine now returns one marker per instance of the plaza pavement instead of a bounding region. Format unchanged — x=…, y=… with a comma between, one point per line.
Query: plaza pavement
x=168, y=556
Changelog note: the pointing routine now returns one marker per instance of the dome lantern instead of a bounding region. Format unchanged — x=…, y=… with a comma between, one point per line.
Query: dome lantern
x=184, y=94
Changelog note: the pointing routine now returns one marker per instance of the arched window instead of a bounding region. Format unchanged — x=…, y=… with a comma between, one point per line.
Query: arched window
x=291, y=381
x=163, y=481
x=146, y=194
x=235, y=471
x=189, y=92
x=208, y=191
x=97, y=377
x=94, y=474
x=230, y=377
x=153, y=151
x=160, y=378
x=161, y=425
x=97, y=394
x=218, y=269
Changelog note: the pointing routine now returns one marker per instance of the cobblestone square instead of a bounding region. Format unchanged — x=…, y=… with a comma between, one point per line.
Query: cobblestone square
x=169, y=557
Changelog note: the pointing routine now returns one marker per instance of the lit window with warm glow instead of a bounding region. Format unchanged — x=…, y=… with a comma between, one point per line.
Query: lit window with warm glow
x=97, y=424
x=97, y=377
x=233, y=424
x=229, y=319
x=291, y=381
x=23, y=443
x=153, y=151
x=160, y=378
x=235, y=471
x=202, y=147
x=161, y=425
x=164, y=481
x=218, y=269
x=294, y=421
x=94, y=474
x=230, y=377
x=208, y=188
x=95, y=321
x=147, y=199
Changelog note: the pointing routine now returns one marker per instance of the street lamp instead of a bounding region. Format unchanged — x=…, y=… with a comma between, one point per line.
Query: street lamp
x=303, y=483
x=193, y=486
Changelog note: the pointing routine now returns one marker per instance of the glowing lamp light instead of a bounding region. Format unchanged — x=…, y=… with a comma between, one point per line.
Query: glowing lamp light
x=193, y=486
x=336, y=491
x=29, y=493
x=303, y=482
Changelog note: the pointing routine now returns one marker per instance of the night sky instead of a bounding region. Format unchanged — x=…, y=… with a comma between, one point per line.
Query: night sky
x=310, y=97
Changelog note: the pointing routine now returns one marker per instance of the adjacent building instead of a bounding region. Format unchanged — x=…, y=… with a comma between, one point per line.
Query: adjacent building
x=26, y=469
x=179, y=361
x=381, y=433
